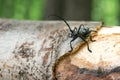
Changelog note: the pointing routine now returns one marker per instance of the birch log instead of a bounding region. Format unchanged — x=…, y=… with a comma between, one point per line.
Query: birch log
x=29, y=49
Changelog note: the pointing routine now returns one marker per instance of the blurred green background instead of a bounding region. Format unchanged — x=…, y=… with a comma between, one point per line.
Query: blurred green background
x=107, y=11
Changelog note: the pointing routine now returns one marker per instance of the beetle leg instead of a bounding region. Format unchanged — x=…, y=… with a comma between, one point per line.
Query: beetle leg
x=92, y=39
x=86, y=43
x=71, y=44
x=93, y=30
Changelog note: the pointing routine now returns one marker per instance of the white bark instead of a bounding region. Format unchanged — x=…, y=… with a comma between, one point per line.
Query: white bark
x=28, y=49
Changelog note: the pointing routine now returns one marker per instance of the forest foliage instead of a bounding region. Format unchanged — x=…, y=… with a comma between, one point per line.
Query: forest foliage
x=107, y=11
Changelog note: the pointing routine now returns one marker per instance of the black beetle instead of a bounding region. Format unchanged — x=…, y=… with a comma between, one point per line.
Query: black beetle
x=83, y=33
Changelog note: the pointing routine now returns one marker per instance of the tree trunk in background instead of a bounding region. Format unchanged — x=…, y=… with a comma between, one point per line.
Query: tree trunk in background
x=69, y=9
x=53, y=7
x=78, y=9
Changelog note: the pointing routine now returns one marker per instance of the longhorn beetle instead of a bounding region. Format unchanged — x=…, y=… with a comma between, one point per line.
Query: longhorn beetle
x=82, y=33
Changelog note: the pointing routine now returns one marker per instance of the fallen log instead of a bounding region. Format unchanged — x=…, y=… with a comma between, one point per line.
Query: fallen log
x=32, y=50
x=102, y=64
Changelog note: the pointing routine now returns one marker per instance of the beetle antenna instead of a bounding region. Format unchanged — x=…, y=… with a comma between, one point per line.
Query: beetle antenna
x=64, y=21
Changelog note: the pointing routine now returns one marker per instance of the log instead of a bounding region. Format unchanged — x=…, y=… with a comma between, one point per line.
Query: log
x=31, y=50
x=102, y=64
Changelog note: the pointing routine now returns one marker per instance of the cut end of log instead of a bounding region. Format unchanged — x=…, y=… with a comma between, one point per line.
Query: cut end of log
x=102, y=64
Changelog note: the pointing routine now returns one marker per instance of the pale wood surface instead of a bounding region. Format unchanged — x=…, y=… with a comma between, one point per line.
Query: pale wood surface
x=28, y=49
x=102, y=64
